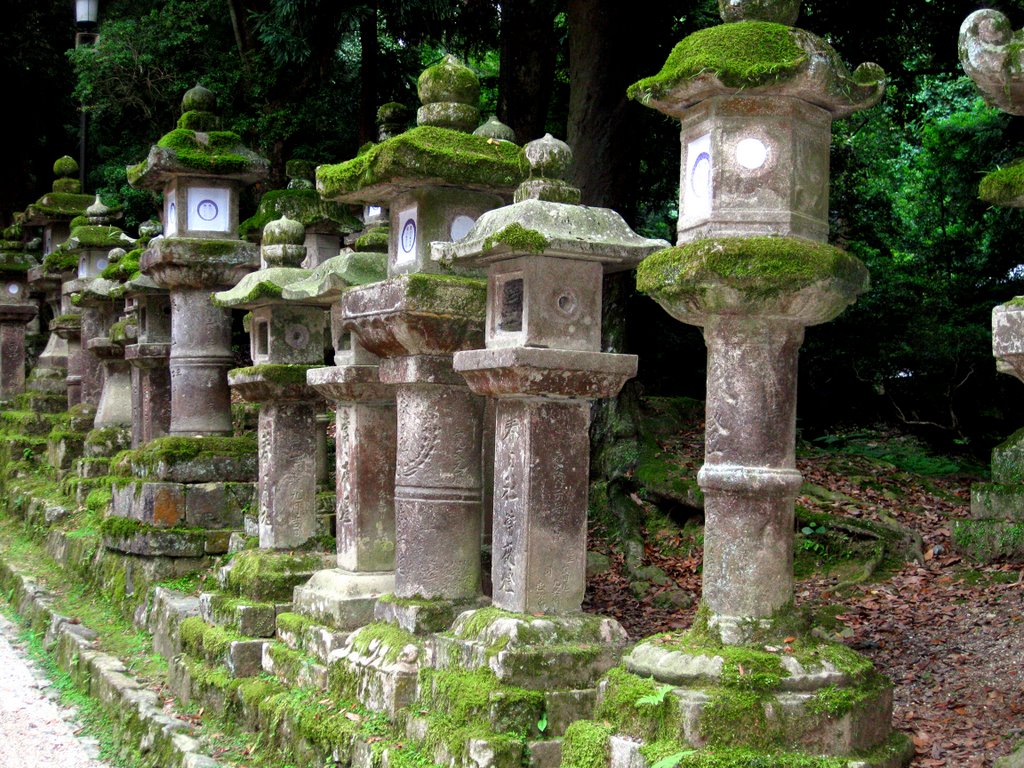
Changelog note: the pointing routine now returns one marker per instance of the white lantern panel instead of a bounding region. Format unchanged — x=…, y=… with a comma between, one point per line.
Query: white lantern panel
x=171, y=213
x=698, y=182
x=407, y=234
x=13, y=288
x=461, y=227
x=208, y=209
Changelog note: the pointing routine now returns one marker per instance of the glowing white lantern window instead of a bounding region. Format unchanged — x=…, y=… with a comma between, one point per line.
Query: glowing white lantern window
x=83, y=267
x=13, y=288
x=407, y=224
x=751, y=153
x=373, y=211
x=208, y=209
x=461, y=227
x=170, y=214
x=101, y=264
x=698, y=182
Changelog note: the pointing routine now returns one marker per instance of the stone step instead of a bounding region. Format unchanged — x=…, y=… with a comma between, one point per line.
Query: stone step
x=246, y=617
x=29, y=423
x=294, y=667
x=269, y=575
x=133, y=538
x=378, y=666
x=301, y=633
x=987, y=540
x=239, y=656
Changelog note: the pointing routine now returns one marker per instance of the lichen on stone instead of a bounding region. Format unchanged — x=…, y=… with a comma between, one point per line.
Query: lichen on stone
x=275, y=373
x=1004, y=186
x=518, y=238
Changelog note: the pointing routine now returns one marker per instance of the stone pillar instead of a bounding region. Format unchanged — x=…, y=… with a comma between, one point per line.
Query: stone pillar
x=199, y=361
x=437, y=479
x=749, y=477
x=151, y=391
x=114, y=406
x=287, y=479
x=12, y=348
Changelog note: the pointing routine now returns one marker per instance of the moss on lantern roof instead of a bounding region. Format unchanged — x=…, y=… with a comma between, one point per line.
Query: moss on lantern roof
x=60, y=259
x=758, y=266
x=98, y=236
x=124, y=269
x=15, y=261
x=302, y=205
x=424, y=154
x=450, y=294
x=61, y=205
x=519, y=238
x=257, y=286
x=374, y=241
x=216, y=153
x=328, y=280
x=745, y=53
x=1004, y=186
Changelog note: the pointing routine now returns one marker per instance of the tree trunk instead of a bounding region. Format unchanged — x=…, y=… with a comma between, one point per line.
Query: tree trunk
x=527, y=66
x=368, y=75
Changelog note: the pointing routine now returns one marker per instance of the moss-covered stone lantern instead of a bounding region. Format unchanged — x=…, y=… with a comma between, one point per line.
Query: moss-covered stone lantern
x=756, y=98
x=286, y=340
x=991, y=54
x=435, y=180
x=200, y=171
x=365, y=443
x=53, y=213
x=16, y=309
x=325, y=222
x=546, y=260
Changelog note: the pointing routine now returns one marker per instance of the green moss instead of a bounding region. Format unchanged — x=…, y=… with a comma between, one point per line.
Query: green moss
x=293, y=623
x=586, y=745
x=174, y=450
x=833, y=701
x=427, y=153
x=253, y=691
x=269, y=575
x=1004, y=185
x=758, y=266
x=374, y=241
x=62, y=205
x=207, y=641
x=125, y=268
x=60, y=259
x=740, y=757
x=276, y=374
x=448, y=294
x=98, y=236
x=305, y=206
x=199, y=120
x=637, y=706
x=217, y=155
x=743, y=54
x=392, y=637
x=518, y=238
x=987, y=540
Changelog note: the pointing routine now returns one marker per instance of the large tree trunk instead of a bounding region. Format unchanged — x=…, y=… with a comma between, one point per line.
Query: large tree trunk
x=527, y=66
x=368, y=75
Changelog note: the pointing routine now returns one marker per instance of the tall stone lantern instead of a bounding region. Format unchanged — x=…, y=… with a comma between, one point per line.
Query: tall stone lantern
x=16, y=309
x=286, y=340
x=755, y=98
x=200, y=171
x=542, y=360
x=435, y=180
x=990, y=54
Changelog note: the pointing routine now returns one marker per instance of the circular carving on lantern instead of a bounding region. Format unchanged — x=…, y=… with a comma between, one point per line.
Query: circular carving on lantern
x=296, y=336
x=207, y=210
x=567, y=303
x=700, y=175
x=461, y=227
x=409, y=236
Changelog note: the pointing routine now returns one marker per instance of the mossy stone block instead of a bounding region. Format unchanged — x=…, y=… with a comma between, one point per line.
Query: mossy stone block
x=985, y=541
x=1008, y=459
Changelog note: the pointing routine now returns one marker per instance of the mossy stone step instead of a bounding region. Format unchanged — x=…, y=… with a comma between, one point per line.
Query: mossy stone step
x=300, y=633
x=294, y=667
x=998, y=501
x=247, y=618
x=34, y=424
x=378, y=667
x=985, y=541
x=239, y=656
x=269, y=575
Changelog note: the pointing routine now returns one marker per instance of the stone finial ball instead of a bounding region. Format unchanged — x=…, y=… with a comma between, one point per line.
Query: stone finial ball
x=97, y=210
x=449, y=81
x=495, y=129
x=393, y=112
x=65, y=167
x=548, y=157
x=778, y=11
x=284, y=231
x=300, y=169
x=198, y=99
x=116, y=254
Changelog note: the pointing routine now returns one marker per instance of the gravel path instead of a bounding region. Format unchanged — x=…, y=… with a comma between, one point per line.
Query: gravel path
x=35, y=730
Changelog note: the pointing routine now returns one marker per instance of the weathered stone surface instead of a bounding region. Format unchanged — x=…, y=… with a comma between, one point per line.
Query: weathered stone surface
x=998, y=501
x=342, y=599
x=1008, y=338
x=991, y=56
x=166, y=611
x=1014, y=760
x=287, y=479
x=537, y=372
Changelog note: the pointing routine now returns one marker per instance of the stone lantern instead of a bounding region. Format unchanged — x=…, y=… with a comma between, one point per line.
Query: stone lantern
x=990, y=54
x=53, y=213
x=365, y=444
x=90, y=244
x=285, y=341
x=546, y=259
x=200, y=171
x=16, y=309
x=752, y=270
x=435, y=180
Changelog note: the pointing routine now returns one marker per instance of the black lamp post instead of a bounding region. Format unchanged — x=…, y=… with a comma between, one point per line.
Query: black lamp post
x=86, y=15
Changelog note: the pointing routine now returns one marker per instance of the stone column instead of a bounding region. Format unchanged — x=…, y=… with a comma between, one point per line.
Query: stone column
x=151, y=391
x=437, y=479
x=12, y=348
x=200, y=358
x=749, y=478
x=114, y=406
x=287, y=479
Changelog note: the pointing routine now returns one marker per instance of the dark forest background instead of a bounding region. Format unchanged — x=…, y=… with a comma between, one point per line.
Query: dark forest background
x=304, y=78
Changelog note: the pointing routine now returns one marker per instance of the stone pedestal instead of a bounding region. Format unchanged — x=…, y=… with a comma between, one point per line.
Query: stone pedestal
x=200, y=358
x=12, y=348
x=365, y=440
x=68, y=327
x=50, y=371
x=114, y=408
x=151, y=391
x=414, y=324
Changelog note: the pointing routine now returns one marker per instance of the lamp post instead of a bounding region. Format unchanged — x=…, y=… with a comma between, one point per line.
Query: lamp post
x=86, y=15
